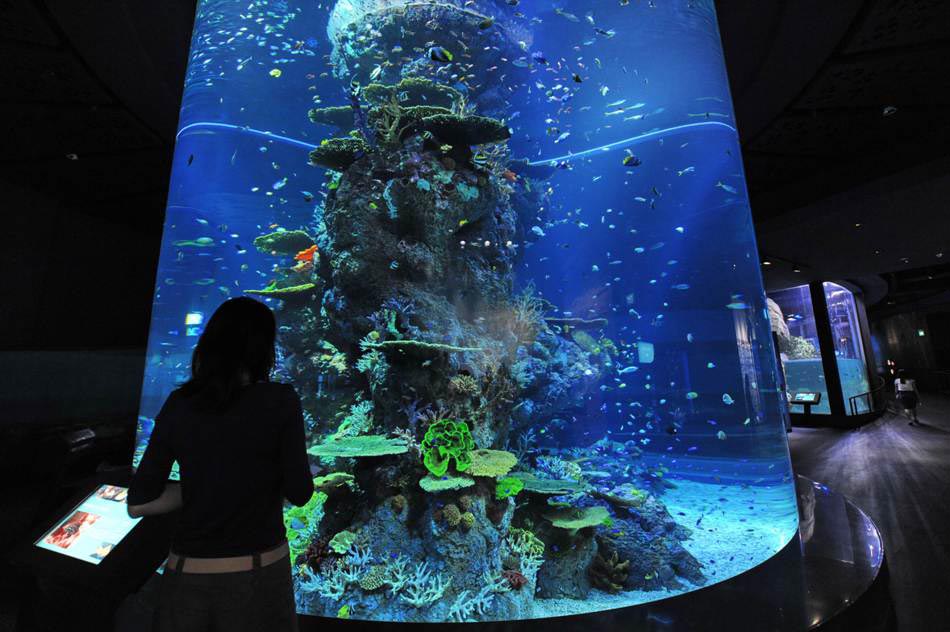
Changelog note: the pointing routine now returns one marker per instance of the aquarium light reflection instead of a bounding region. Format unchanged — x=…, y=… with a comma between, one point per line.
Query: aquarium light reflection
x=620, y=144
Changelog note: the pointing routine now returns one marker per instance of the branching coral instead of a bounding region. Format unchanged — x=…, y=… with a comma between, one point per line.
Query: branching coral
x=359, y=420
x=424, y=588
x=464, y=385
x=609, y=574
x=331, y=358
x=374, y=365
x=528, y=548
x=466, y=606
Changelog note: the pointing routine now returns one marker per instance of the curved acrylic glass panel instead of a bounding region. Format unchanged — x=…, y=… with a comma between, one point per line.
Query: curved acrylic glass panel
x=537, y=370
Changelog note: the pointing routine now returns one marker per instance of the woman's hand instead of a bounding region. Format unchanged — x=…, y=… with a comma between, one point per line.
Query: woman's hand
x=169, y=501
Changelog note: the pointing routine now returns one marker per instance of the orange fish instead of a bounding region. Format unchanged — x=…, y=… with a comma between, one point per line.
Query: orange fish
x=510, y=175
x=306, y=255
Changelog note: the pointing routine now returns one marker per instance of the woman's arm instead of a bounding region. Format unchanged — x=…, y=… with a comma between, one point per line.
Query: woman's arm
x=168, y=501
x=297, y=481
x=150, y=486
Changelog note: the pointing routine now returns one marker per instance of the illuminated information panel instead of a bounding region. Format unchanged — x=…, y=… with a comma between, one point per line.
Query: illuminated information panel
x=93, y=528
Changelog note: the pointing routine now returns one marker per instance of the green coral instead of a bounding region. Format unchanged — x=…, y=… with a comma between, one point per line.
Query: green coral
x=343, y=612
x=524, y=542
x=415, y=347
x=362, y=446
x=464, y=385
x=444, y=441
x=375, y=366
x=578, y=518
x=339, y=153
x=301, y=522
x=374, y=578
x=293, y=291
x=492, y=463
x=508, y=487
x=547, y=486
x=451, y=515
x=415, y=91
x=467, y=521
x=340, y=116
x=461, y=131
x=283, y=242
x=445, y=483
x=332, y=358
x=333, y=481
x=342, y=541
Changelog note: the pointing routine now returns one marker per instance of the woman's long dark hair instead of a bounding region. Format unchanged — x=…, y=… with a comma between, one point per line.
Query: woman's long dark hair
x=237, y=342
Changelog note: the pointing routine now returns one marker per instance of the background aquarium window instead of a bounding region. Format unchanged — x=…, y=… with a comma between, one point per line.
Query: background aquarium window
x=799, y=348
x=511, y=256
x=849, y=347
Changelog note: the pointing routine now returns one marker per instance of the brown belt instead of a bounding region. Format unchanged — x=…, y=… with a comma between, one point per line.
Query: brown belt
x=182, y=564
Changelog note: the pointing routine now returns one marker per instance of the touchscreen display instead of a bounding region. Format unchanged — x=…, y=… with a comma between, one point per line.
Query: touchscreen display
x=93, y=528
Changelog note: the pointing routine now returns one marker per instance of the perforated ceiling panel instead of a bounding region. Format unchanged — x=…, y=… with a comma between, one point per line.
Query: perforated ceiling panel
x=898, y=78
x=893, y=23
x=20, y=21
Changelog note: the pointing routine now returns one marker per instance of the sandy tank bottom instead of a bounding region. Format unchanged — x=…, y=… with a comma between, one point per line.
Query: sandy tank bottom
x=735, y=528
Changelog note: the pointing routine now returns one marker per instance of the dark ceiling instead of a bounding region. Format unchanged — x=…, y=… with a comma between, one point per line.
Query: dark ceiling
x=828, y=96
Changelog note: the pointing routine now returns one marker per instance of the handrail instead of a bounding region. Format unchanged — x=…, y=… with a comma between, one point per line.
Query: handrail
x=852, y=401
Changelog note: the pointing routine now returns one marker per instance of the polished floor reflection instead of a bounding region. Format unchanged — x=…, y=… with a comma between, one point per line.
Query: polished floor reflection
x=900, y=476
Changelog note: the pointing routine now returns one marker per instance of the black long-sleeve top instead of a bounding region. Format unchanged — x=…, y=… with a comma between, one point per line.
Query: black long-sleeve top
x=236, y=467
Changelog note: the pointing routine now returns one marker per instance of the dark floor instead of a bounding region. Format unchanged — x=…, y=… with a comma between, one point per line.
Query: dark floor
x=900, y=476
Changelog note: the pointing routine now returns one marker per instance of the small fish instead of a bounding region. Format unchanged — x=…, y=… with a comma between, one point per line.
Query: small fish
x=539, y=58
x=562, y=137
x=487, y=23
x=280, y=184
x=394, y=265
x=204, y=281
x=201, y=242
x=726, y=188
x=275, y=73
x=577, y=78
x=737, y=305
x=692, y=395
x=537, y=230
x=689, y=169
x=721, y=435
x=605, y=32
x=191, y=159
x=375, y=73
x=710, y=365
x=439, y=54
x=628, y=369
x=307, y=196
x=566, y=15
x=681, y=286
x=632, y=161
x=727, y=399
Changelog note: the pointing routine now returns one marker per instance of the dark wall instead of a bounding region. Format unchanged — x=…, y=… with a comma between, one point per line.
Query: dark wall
x=926, y=357
x=72, y=283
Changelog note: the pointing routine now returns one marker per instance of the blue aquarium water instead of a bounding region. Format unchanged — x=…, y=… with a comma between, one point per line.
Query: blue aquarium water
x=510, y=251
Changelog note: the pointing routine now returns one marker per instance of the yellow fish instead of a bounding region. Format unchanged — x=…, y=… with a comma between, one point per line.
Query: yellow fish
x=275, y=73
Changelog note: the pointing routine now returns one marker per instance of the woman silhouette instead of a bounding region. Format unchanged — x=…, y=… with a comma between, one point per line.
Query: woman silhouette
x=239, y=443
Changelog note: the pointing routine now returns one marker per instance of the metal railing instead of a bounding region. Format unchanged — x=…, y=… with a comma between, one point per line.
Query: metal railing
x=874, y=399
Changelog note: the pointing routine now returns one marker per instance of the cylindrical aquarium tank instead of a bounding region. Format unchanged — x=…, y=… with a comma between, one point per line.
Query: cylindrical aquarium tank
x=511, y=255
